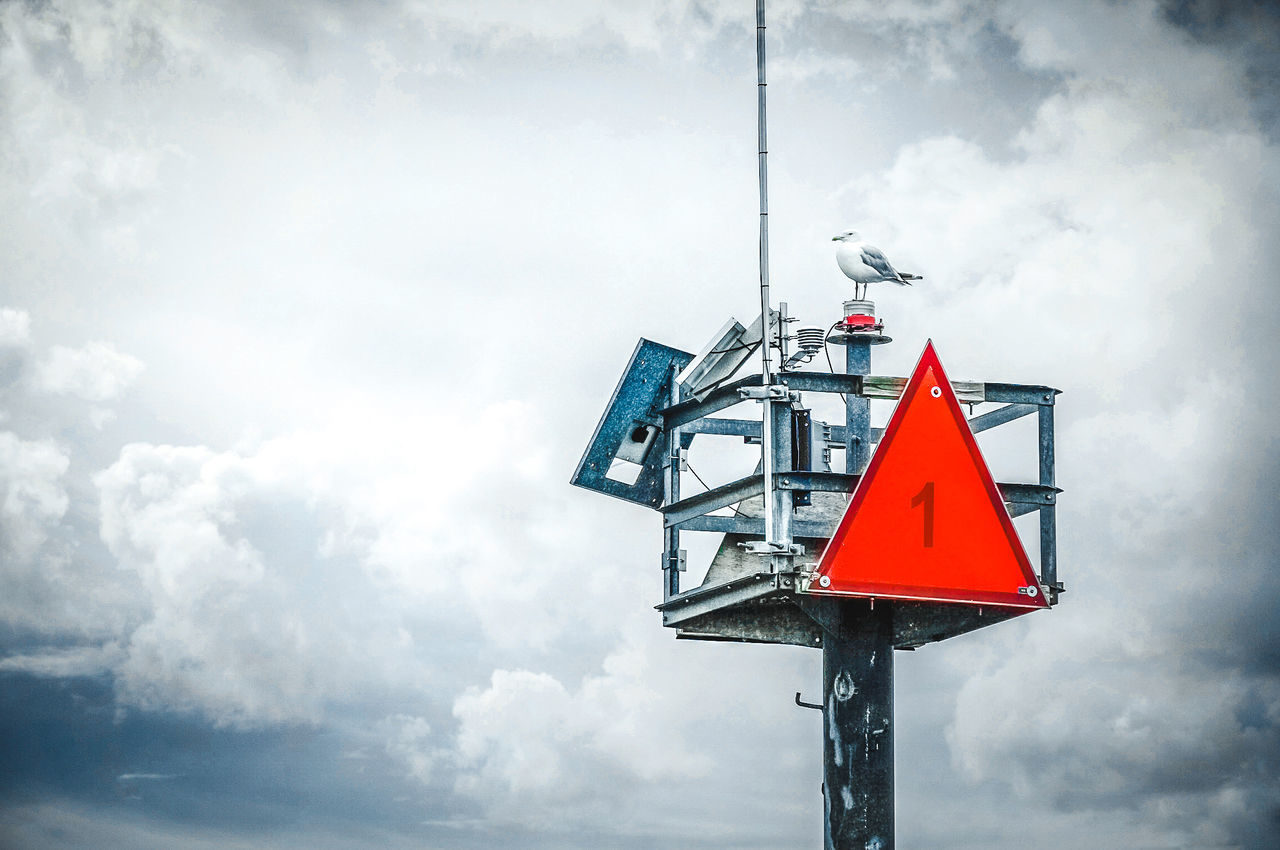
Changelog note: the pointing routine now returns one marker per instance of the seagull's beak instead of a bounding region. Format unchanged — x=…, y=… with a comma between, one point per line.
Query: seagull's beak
x=836, y=238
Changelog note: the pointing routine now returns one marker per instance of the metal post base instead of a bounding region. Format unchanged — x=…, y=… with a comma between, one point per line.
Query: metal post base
x=857, y=725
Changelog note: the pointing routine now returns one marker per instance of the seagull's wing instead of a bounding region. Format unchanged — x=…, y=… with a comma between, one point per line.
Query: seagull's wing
x=872, y=256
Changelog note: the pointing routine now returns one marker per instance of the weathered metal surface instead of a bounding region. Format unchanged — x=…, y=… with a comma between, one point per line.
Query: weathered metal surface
x=857, y=725
x=857, y=409
x=713, y=499
x=857, y=682
x=727, y=350
x=754, y=609
x=839, y=436
x=724, y=608
x=876, y=386
x=802, y=450
x=636, y=404
x=826, y=482
x=732, y=560
x=914, y=623
x=752, y=527
x=822, y=382
x=918, y=623
x=870, y=337
x=823, y=529
x=707, y=599
x=750, y=429
x=782, y=499
x=863, y=386
x=724, y=427
x=645, y=395
x=1048, y=515
x=716, y=400
x=766, y=621
x=673, y=562
x=1033, y=496
x=1020, y=393
x=1000, y=416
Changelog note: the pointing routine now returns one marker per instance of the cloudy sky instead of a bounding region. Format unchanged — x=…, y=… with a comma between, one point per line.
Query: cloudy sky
x=307, y=311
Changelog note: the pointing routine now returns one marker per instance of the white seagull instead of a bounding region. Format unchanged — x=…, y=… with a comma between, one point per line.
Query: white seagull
x=863, y=263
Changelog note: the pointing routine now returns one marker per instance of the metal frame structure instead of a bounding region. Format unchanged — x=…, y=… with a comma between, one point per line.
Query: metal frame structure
x=744, y=605
x=755, y=587
x=754, y=590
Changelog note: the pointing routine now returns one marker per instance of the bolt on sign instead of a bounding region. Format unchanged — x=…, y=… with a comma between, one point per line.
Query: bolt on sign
x=927, y=521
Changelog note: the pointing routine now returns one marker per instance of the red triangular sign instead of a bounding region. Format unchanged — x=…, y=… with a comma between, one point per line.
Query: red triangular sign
x=926, y=521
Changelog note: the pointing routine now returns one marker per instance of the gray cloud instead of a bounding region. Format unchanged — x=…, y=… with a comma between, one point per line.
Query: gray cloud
x=76, y=661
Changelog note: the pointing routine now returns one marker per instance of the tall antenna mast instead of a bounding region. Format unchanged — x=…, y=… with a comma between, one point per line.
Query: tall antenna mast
x=766, y=443
x=764, y=185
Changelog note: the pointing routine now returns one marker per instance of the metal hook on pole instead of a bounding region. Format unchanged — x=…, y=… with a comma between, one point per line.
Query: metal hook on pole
x=806, y=704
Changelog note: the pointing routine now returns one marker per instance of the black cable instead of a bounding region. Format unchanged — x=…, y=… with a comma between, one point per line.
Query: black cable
x=827, y=352
x=689, y=466
x=733, y=348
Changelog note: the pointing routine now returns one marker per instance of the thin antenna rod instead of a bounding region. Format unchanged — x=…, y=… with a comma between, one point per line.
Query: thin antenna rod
x=764, y=190
x=766, y=426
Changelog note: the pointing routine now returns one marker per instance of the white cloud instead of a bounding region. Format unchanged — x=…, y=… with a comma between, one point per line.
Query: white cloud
x=286, y=577
x=33, y=495
x=638, y=25
x=55, y=581
x=76, y=661
x=55, y=147
x=94, y=372
x=15, y=328
x=533, y=752
x=250, y=622
x=409, y=740
x=15, y=345
x=1094, y=712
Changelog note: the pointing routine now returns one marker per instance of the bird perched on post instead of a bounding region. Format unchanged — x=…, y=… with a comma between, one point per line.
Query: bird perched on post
x=863, y=263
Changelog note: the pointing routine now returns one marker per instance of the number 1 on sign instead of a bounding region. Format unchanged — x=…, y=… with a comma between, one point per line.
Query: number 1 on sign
x=925, y=497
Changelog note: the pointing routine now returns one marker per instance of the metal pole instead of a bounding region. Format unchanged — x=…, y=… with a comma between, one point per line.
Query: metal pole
x=762, y=147
x=1048, y=541
x=671, y=483
x=767, y=426
x=857, y=684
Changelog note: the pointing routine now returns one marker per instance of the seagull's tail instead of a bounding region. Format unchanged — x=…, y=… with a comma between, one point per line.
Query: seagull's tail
x=906, y=279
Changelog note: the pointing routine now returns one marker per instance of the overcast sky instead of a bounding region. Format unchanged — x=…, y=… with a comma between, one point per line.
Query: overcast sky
x=309, y=309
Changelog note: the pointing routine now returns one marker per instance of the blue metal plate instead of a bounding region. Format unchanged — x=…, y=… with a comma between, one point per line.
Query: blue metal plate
x=632, y=427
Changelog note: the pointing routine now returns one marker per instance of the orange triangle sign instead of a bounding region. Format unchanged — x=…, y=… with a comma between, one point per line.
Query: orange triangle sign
x=926, y=521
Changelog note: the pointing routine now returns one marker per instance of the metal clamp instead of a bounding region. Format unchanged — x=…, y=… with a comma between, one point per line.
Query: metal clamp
x=761, y=547
x=774, y=392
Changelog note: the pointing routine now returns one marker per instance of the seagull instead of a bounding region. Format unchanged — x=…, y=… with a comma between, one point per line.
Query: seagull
x=863, y=263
